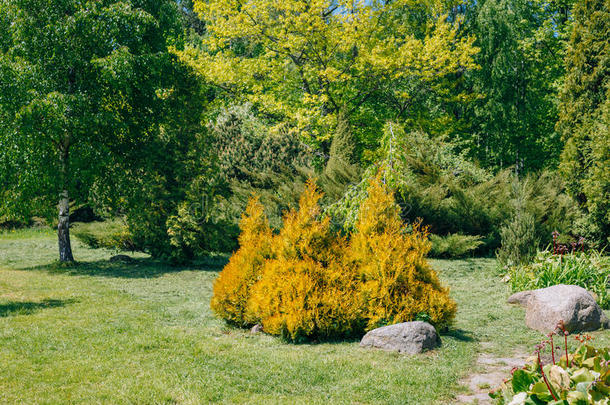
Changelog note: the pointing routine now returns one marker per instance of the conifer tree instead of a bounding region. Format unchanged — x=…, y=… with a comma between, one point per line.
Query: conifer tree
x=584, y=114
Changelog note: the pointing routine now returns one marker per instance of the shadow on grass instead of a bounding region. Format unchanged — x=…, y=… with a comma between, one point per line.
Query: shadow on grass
x=135, y=268
x=459, y=334
x=13, y=308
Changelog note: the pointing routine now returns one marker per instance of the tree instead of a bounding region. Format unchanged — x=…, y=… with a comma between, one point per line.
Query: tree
x=310, y=62
x=521, y=49
x=83, y=87
x=585, y=114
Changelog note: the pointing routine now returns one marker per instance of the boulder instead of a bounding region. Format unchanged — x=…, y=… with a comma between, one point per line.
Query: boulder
x=573, y=305
x=408, y=337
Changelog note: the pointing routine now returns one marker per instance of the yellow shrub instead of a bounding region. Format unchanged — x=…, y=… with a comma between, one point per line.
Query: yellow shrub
x=233, y=285
x=303, y=291
x=302, y=298
x=397, y=283
x=310, y=282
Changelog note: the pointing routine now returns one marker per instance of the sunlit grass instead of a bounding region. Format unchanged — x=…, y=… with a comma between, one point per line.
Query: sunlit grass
x=101, y=332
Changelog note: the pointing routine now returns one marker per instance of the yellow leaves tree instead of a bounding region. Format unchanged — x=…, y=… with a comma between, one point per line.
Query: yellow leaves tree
x=311, y=61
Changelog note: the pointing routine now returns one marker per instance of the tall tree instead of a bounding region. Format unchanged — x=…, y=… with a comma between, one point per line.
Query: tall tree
x=585, y=114
x=83, y=87
x=521, y=59
x=311, y=62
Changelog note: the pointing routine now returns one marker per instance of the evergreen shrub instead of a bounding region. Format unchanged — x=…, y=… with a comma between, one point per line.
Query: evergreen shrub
x=309, y=282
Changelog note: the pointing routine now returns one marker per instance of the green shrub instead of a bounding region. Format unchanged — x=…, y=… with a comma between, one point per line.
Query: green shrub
x=113, y=235
x=10, y=224
x=590, y=270
x=518, y=235
x=251, y=159
x=581, y=377
x=436, y=183
x=454, y=245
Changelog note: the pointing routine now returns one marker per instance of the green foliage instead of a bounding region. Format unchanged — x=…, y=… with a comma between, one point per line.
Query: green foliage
x=518, y=235
x=109, y=235
x=580, y=377
x=452, y=195
x=86, y=88
x=308, y=282
x=539, y=205
x=585, y=114
x=341, y=169
x=254, y=159
x=311, y=65
x=454, y=245
x=519, y=243
x=511, y=121
x=248, y=159
x=590, y=270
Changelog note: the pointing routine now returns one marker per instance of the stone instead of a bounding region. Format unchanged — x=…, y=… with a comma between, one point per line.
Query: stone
x=121, y=258
x=573, y=305
x=408, y=337
x=256, y=329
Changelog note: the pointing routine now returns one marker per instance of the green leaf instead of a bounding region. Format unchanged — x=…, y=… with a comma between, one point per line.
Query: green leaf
x=582, y=375
x=521, y=381
x=541, y=391
x=577, y=398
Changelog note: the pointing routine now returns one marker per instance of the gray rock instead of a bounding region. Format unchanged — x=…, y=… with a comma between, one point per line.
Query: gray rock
x=573, y=305
x=409, y=337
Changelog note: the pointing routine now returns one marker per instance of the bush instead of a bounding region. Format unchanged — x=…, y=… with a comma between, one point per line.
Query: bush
x=253, y=158
x=113, y=235
x=581, y=377
x=308, y=282
x=249, y=159
x=452, y=195
x=590, y=270
x=396, y=282
x=518, y=235
x=454, y=245
x=233, y=286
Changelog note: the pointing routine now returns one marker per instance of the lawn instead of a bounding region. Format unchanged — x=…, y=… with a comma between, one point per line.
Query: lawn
x=101, y=332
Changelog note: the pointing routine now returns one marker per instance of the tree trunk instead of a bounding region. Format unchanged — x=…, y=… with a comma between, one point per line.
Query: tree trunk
x=63, y=229
x=63, y=226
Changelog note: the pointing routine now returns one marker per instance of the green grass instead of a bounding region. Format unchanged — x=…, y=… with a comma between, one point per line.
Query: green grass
x=101, y=332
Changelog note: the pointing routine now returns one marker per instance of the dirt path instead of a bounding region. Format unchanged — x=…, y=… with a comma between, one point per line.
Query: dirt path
x=491, y=372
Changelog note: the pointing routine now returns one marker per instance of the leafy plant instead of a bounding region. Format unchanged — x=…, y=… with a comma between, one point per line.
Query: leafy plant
x=584, y=115
x=581, y=377
x=590, y=270
x=454, y=245
x=518, y=235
